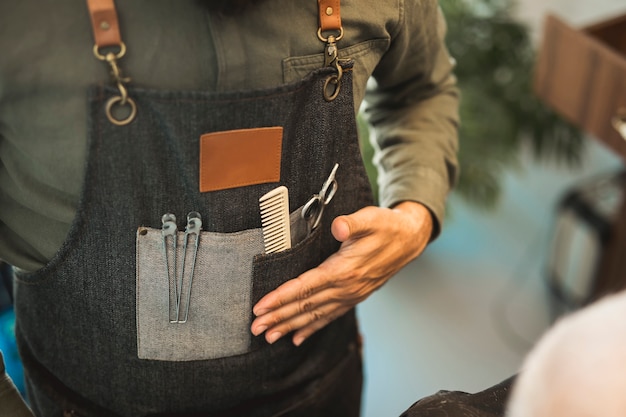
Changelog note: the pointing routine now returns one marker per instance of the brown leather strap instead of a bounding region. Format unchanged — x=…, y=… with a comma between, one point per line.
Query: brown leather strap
x=330, y=17
x=106, y=30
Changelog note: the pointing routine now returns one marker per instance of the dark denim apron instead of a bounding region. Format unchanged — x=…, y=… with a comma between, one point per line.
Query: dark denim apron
x=92, y=326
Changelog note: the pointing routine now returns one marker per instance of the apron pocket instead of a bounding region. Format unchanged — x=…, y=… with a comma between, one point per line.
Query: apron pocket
x=272, y=270
x=219, y=301
x=223, y=284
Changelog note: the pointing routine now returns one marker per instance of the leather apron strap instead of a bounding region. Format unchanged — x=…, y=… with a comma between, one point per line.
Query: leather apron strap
x=106, y=29
x=329, y=12
x=120, y=109
x=330, y=16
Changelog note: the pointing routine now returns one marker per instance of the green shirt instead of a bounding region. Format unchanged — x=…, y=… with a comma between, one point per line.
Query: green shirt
x=401, y=69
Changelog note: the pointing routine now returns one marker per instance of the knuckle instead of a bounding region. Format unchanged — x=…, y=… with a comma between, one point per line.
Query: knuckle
x=287, y=328
x=305, y=306
x=327, y=275
x=275, y=320
x=317, y=316
x=305, y=292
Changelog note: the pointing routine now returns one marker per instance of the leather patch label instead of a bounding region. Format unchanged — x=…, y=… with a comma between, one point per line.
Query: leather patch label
x=236, y=158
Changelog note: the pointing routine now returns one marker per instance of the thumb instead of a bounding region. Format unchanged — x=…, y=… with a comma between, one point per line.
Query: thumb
x=340, y=228
x=348, y=227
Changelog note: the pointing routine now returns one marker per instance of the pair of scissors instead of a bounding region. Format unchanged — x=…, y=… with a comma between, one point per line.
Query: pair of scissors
x=314, y=208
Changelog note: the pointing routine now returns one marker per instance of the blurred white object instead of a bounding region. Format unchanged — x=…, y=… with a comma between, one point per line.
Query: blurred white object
x=578, y=368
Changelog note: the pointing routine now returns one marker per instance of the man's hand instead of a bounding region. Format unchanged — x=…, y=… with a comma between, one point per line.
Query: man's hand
x=375, y=244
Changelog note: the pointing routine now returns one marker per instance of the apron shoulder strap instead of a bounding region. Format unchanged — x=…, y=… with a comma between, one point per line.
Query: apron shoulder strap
x=106, y=33
x=330, y=21
x=106, y=29
x=330, y=15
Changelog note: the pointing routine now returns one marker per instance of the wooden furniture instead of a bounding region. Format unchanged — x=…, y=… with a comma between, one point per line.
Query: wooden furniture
x=581, y=73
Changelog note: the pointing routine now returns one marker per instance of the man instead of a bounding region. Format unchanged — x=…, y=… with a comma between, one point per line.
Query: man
x=114, y=314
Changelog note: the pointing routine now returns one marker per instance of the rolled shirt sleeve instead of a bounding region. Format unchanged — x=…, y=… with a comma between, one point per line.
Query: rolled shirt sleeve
x=412, y=103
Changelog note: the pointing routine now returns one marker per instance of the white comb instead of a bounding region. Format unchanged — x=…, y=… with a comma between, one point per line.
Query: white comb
x=275, y=220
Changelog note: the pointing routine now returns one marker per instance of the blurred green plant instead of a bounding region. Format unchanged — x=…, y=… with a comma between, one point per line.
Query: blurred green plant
x=500, y=115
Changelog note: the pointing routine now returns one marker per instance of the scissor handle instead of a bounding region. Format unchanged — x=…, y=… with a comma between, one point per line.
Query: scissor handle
x=312, y=208
x=330, y=186
x=328, y=191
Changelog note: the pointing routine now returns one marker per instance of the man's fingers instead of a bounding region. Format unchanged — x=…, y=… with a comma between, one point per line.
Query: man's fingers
x=321, y=314
x=302, y=287
x=307, y=323
x=306, y=307
x=301, y=335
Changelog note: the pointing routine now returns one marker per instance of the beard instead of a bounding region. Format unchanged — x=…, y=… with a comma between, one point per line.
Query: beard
x=227, y=7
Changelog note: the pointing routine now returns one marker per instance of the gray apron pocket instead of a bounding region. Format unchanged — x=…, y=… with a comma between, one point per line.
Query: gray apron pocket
x=219, y=302
x=222, y=294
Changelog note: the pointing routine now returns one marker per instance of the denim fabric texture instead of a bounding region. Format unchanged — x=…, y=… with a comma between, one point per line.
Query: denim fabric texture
x=77, y=317
x=218, y=286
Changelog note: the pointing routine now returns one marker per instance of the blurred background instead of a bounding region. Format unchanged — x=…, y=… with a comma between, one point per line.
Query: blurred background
x=525, y=227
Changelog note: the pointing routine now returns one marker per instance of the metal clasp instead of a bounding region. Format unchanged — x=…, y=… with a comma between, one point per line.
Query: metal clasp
x=116, y=74
x=331, y=59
